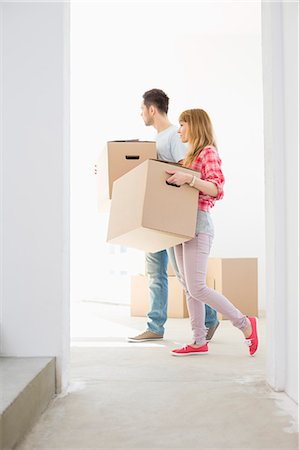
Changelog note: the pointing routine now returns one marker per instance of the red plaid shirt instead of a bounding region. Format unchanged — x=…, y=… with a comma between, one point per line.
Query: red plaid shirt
x=208, y=164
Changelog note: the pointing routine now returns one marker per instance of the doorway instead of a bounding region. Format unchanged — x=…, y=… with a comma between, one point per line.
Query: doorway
x=208, y=55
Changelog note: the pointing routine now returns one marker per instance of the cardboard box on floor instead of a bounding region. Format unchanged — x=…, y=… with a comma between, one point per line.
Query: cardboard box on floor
x=148, y=214
x=237, y=279
x=177, y=307
x=116, y=159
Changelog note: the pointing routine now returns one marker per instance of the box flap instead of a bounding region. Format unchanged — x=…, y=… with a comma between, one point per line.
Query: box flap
x=173, y=164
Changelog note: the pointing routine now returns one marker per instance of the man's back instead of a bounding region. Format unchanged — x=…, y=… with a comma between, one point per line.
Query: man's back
x=169, y=145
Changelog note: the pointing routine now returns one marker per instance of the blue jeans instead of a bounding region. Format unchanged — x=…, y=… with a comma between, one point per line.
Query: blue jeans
x=156, y=266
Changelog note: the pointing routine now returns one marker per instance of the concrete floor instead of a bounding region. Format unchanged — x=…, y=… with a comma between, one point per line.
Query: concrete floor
x=138, y=396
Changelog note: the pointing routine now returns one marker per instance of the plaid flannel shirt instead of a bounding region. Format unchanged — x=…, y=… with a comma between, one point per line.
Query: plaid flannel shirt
x=208, y=164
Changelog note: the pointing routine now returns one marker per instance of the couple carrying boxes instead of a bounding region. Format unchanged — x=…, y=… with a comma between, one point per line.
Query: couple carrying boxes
x=162, y=205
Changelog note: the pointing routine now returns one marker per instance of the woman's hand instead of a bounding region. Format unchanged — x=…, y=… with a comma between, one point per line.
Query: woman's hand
x=178, y=177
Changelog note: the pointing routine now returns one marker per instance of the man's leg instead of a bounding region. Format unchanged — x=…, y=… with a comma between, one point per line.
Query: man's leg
x=211, y=316
x=158, y=291
x=211, y=322
x=156, y=267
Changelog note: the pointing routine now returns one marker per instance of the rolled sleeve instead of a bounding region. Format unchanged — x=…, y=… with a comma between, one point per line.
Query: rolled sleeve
x=211, y=170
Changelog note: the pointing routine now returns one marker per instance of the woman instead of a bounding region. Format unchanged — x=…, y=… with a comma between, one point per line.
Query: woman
x=192, y=256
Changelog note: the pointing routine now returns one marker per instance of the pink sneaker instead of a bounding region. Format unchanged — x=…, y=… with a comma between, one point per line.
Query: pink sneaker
x=188, y=350
x=253, y=341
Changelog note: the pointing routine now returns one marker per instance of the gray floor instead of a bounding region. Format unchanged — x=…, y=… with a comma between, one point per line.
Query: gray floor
x=138, y=396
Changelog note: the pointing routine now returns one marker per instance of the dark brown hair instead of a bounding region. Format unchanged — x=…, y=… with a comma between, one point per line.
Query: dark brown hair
x=157, y=98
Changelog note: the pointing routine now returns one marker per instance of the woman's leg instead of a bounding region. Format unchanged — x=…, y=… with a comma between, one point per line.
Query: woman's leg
x=196, y=309
x=195, y=255
x=210, y=313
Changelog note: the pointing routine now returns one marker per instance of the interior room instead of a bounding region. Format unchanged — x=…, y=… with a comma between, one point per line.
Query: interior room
x=72, y=79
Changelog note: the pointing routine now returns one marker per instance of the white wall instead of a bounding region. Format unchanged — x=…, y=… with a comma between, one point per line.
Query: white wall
x=203, y=54
x=280, y=61
x=34, y=189
x=291, y=44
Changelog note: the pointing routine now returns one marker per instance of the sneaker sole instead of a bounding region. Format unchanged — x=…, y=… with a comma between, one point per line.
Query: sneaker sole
x=258, y=336
x=144, y=340
x=189, y=354
x=257, y=332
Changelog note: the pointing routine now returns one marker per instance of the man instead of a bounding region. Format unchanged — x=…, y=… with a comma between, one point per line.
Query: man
x=154, y=109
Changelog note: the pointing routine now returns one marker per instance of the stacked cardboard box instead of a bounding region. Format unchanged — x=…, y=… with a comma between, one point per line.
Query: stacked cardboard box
x=116, y=159
x=236, y=278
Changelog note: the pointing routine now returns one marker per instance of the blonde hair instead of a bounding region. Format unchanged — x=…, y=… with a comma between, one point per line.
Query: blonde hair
x=200, y=132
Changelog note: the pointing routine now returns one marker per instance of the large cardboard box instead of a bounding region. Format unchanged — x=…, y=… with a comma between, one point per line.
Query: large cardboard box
x=147, y=213
x=116, y=159
x=140, y=306
x=237, y=279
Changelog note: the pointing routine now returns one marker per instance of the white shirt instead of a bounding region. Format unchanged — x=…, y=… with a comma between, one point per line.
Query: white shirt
x=169, y=145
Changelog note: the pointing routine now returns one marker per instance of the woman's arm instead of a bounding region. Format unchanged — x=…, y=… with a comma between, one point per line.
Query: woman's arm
x=179, y=178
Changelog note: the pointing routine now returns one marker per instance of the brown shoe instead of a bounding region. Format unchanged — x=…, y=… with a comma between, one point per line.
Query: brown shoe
x=211, y=331
x=145, y=336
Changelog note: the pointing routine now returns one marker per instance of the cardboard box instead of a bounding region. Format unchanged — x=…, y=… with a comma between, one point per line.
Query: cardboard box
x=236, y=279
x=148, y=214
x=116, y=159
x=177, y=307
x=170, y=270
